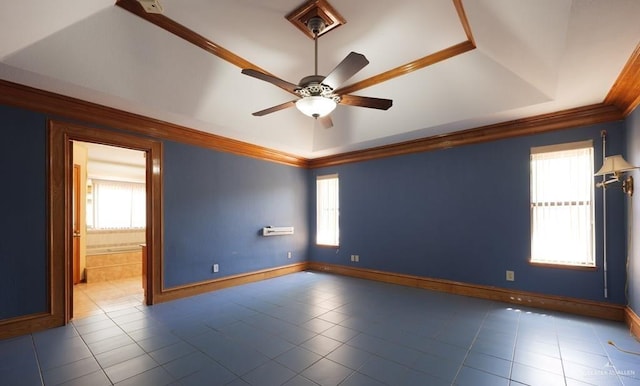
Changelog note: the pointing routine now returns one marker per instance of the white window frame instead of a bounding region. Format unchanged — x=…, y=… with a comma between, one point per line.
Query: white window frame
x=562, y=204
x=328, y=210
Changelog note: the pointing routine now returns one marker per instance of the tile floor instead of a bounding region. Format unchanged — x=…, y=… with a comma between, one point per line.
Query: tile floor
x=106, y=296
x=319, y=329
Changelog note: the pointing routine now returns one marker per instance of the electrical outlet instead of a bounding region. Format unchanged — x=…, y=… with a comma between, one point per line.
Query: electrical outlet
x=511, y=276
x=288, y=255
x=357, y=258
x=215, y=268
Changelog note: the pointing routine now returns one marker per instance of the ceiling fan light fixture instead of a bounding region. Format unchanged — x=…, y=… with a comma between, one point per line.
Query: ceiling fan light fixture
x=316, y=106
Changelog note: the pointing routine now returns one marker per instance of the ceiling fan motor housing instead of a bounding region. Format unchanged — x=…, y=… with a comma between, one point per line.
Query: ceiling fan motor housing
x=317, y=97
x=316, y=25
x=312, y=86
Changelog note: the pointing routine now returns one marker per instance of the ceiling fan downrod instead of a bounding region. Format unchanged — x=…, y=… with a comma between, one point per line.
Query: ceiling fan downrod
x=316, y=25
x=316, y=96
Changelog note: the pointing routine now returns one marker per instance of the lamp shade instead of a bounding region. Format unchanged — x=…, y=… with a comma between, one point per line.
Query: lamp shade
x=315, y=106
x=614, y=164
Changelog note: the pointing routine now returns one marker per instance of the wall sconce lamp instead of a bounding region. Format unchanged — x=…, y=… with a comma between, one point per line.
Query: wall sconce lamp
x=616, y=165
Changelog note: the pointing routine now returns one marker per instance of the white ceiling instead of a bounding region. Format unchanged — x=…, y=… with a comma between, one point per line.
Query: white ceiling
x=532, y=57
x=115, y=163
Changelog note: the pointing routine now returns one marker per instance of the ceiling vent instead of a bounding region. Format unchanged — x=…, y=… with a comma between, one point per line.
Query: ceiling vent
x=151, y=6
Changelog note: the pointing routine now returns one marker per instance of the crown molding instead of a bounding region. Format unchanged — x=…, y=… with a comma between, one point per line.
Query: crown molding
x=625, y=92
x=564, y=119
x=13, y=94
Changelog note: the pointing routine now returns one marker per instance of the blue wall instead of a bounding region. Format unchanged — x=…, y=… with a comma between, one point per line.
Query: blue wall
x=462, y=214
x=633, y=156
x=459, y=214
x=23, y=213
x=215, y=205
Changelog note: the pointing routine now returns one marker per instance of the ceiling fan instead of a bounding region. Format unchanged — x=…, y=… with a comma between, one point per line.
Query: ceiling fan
x=317, y=97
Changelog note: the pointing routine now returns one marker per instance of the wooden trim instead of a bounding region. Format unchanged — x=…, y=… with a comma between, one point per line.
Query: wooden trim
x=423, y=62
x=27, y=324
x=190, y=36
x=523, y=298
x=21, y=96
x=405, y=69
x=185, y=33
x=633, y=321
x=58, y=240
x=565, y=119
x=625, y=92
x=154, y=239
x=76, y=221
x=49, y=103
x=462, y=15
x=228, y=281
x=321, y=8
x=59, y=168
x=622, y=99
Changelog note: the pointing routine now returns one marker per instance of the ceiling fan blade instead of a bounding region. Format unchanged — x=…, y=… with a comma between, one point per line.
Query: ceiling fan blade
x=349, y=66
x=283, y=84
x=325, y=121
x=273, y=109
x=373, y=103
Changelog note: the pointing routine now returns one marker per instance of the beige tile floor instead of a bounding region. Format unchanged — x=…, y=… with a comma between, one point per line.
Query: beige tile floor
x=107, y=296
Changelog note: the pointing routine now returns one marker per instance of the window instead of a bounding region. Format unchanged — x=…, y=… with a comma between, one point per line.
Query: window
x=328, y=210
x=562, y=210
x=116, y=205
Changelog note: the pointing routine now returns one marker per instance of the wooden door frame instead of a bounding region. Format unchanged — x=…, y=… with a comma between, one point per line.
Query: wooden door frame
x=60, y=168
x=76, y=195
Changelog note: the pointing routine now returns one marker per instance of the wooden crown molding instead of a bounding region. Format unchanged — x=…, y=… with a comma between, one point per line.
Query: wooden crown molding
x=565, y=119
x=13, y=94
x=623, y=97
x=625, y=92
x=46, y=102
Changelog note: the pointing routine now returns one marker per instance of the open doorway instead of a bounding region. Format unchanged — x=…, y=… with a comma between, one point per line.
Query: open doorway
x=109, y=228
x=62, y=135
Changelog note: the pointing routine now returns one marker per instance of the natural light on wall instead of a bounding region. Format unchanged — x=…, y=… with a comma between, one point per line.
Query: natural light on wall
x=328, y=210
x=562, y=210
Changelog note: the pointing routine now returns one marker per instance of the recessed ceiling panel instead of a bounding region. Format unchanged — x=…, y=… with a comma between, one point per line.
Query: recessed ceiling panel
x=532, y=57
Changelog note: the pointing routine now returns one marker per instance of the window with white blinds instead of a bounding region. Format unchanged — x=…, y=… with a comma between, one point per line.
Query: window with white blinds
x=562, y=208
x=327, y=210
x=116, y=205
